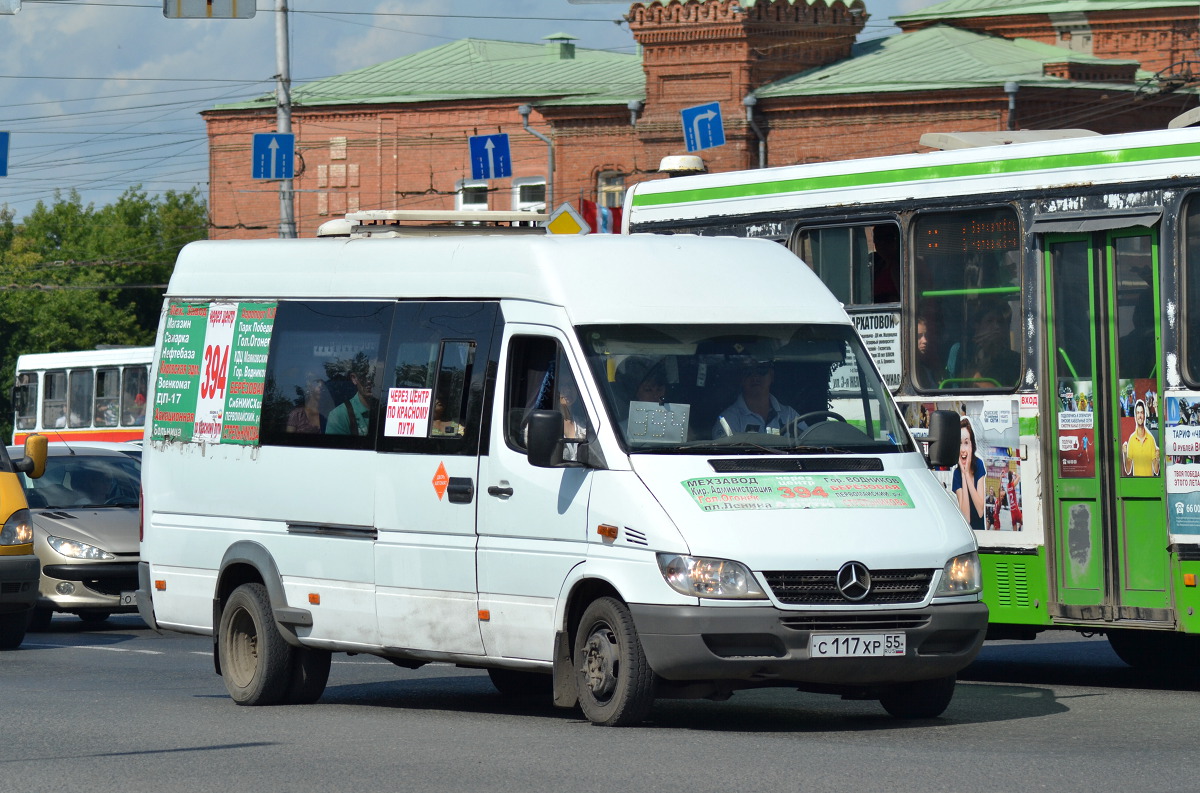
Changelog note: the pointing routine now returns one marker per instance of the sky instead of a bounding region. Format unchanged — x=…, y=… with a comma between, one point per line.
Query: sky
x=102, y=95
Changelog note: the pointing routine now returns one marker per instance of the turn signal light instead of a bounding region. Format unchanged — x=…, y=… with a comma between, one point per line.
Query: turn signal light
x=314, y=598
x=1189, y=579
x=607, y=531
x=160, y=584
x=484, y=615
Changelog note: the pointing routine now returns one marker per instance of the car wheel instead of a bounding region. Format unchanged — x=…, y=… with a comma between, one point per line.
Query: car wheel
x=522, y=685
x=923, y=699
x=616, y=684
x=39, y=619
x=12, y=629
x=256, y=662
x=94, y=617
x=310, y=673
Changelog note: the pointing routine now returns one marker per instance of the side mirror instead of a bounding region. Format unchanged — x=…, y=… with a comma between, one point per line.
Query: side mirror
x=34, y=462
x=944, y=438
x=543, y=438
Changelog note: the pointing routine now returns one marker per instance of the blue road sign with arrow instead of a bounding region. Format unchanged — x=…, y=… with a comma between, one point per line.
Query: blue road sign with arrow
x=274, y=155
x=491, y=157
x=3, y=154
x=703, y=127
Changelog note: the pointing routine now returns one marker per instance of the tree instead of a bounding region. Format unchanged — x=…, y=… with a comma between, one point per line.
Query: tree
x=73, y=277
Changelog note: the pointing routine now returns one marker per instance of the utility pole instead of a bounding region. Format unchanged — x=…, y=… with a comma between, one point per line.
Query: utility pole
x=283, y=115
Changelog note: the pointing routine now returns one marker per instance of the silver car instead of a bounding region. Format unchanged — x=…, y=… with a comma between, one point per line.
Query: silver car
x=85, y=530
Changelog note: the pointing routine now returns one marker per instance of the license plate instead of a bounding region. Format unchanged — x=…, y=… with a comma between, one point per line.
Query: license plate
x=855, y=645
x=128, y=599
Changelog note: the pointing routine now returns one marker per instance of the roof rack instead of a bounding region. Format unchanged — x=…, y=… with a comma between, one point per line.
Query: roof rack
x=427, y=223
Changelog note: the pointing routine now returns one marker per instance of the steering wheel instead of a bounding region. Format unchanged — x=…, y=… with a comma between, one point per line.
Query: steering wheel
x=824, y=415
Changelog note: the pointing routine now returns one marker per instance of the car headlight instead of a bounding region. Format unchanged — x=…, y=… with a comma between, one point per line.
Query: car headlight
x=961, y=576
x=18, y=529
x=78, y=550
x=700, y=576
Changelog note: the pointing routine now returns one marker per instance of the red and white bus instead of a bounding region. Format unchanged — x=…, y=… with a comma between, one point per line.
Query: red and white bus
x=93, y=395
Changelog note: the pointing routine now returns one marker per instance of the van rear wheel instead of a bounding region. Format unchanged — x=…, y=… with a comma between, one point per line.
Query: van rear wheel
x=256, y=662
x=923, y=699
x=615, y=682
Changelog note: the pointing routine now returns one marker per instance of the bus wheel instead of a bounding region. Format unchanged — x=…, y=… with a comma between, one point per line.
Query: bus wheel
x=522, y=685
x=1152, y=651
x=310, y=673
x=12, y=629
x=616, y=684
x=923, y=699
x=256, y=662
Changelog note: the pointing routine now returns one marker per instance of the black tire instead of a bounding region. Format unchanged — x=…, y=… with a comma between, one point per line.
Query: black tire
x=12, y=629
x=1153, y=651
x=924, y=699
x=522, y=685
x=616, y=684
x=256, y=662
x=310, y=673
x=39, y=619
x=94, y=617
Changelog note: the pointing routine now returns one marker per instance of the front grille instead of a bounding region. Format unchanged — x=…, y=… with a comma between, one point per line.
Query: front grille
x=819, y=587
x=856, y=622
x=792, y=465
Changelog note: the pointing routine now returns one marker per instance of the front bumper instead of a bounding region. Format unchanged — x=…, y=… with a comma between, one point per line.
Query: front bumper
x=766, y=645
x=97, y=586
x=18, y=582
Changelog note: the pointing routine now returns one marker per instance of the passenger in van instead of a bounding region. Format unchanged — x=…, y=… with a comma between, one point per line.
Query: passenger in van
x=353, y=417
x=575, y=421
x=308, y=418
x=968, y=483
x=642, y=379
x=443, y=426
x=756, y=409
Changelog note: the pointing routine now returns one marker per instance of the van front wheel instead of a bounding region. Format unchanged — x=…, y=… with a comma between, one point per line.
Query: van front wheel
x=616, y=684
x=256, y=662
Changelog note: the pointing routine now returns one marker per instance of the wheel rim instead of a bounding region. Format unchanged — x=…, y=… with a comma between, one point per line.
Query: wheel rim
x=243, y=648
x=601, y=662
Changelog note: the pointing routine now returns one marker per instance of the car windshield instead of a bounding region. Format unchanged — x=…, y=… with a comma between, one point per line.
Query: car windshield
x=743, y=389
x=79, y=480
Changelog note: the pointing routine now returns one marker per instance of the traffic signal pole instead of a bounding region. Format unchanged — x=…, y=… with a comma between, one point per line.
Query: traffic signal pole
x=283, y=114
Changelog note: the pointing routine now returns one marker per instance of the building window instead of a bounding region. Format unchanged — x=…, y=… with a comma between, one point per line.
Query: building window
x=610, y=189
x=471, y=195
x=529, y=194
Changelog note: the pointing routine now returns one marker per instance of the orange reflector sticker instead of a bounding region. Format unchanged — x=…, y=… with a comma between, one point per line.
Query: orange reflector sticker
x=605, y=530
x=314, y=598
x=160, y=585
x=1189, y=579
x=484, y=615
x=441, y=480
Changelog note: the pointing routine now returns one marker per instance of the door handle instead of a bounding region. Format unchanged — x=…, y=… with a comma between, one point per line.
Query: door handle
x=499, y=492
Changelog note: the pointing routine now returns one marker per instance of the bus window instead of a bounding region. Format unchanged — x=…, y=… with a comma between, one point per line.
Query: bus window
x=25, y=398
x=133, y=396
x=80, y=400
x=108, y=395
x=859, y=264
x=968, y=283
x=54, y=401
x=1191, y=285
x=1133, y=263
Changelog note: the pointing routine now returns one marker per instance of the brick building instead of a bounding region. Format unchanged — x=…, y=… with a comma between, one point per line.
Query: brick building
x=793, y=83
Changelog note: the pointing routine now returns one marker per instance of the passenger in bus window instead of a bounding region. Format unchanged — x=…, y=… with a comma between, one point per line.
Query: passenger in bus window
x=1139, y=453
x=929, y=370
x=135, y=411
x=968, y=483
x=353, y=417
x=994, y=363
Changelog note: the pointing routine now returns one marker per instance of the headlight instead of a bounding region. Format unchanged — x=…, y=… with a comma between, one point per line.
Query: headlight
x=960, y=576
x=78, y=550
x=18, y=529
x=699, y=576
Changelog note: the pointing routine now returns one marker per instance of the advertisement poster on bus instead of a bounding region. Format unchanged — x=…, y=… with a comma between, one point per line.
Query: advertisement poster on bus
x=1076, y=426
x=1181, y=444
x=986, y=483
x=212, y=372
x=1138, y=433
x=880, y=332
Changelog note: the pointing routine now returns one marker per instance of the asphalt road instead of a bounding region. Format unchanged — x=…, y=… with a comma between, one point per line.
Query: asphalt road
x=124, y=709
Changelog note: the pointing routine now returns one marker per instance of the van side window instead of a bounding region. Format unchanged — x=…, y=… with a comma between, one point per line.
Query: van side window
x=322, y=384
x=433, y=388
x=540, y=378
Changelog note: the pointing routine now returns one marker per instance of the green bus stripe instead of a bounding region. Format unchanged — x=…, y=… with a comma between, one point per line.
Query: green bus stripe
x=921, y=173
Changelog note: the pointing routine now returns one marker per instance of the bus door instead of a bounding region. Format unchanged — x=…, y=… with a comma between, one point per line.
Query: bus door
x=1108, y=534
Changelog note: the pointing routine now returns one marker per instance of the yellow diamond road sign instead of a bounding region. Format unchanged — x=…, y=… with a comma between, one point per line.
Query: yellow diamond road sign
x=565, y=220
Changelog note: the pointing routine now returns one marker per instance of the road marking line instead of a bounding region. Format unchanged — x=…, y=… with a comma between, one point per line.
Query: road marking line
x=91, y=647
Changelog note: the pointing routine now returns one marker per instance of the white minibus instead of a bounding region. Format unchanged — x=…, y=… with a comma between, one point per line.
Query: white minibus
x=607, y=468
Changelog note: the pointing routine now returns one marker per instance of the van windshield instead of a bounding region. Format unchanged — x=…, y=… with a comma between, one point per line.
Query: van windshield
x=743, y=389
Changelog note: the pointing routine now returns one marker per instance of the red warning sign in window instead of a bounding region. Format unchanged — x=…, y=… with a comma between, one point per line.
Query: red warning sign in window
x=440, y=480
